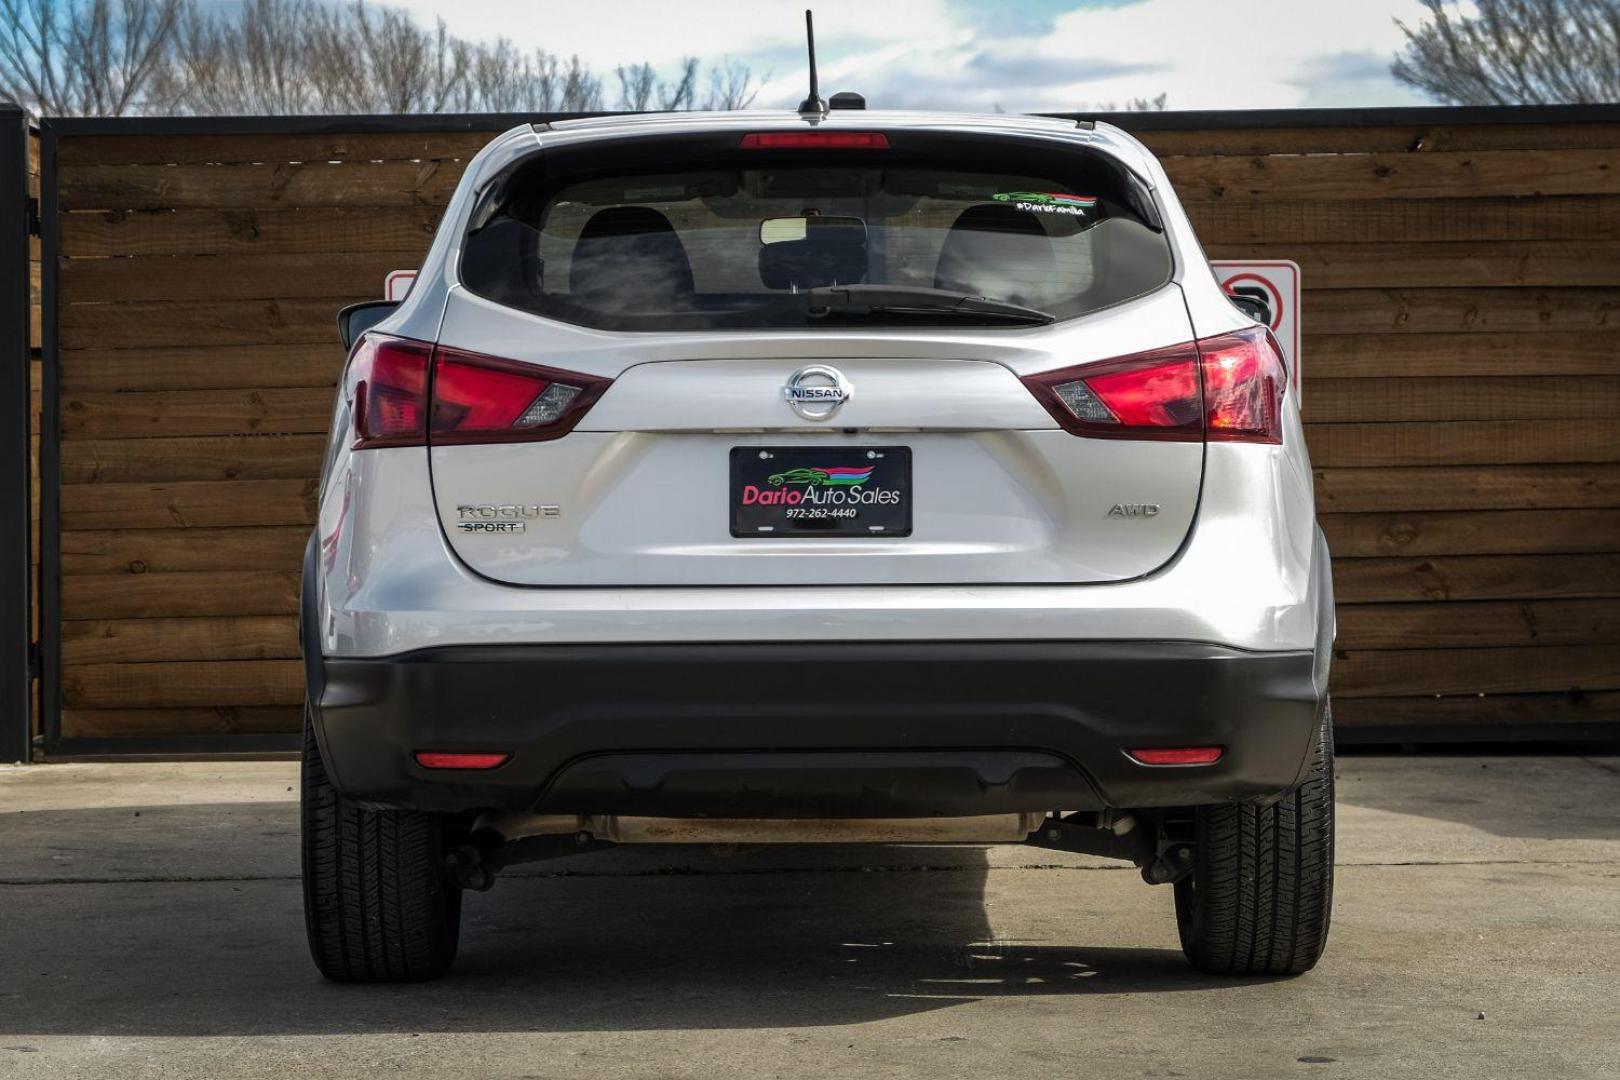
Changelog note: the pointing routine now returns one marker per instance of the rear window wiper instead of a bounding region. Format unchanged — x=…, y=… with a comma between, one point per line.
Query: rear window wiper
x=828, y=300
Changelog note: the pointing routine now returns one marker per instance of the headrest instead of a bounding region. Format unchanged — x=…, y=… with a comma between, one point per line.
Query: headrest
x=629, y=254
x=996, y=251
x=829, y=254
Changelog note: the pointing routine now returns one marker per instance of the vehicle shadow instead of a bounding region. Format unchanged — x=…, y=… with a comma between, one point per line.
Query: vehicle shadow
x=614, y=940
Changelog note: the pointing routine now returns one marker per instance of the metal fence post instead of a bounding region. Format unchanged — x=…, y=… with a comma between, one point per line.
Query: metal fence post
x=15, y=510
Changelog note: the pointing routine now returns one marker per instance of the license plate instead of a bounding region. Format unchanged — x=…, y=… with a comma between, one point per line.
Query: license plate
x=841, y=491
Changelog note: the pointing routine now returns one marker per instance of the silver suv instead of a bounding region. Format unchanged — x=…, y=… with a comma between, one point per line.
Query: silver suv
x=866, y=476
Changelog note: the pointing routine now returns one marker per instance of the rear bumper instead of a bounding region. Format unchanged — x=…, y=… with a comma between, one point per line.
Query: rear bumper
x=815, y=729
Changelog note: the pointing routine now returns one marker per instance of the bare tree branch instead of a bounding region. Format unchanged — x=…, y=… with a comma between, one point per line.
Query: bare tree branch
x=1515, y=52
x=111, y=57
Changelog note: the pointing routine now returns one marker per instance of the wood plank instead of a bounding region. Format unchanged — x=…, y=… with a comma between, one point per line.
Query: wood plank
x=313, y=230
x=201, y=148
x=106, y=641
x=1474, y=623
x=207, y=368
x=1477, y=442
x=1553, y=668
x=222, y=322
x=1485, y=397
x=204, y=684
x=1378, y=356
x=200, y=187
x=161, y=551
x=172, y=413
x=1475, y=577
x=1471, y=532
x=220, y=720
x=209, y=457
x=1437, y=175
x=1438, y=311
x=195, y=593
x=1497, y=713
x=1502, y=487
x=1281, y=224
x=1447, y=264
x=189, y=504
x=1377, y=138
x=232, y=276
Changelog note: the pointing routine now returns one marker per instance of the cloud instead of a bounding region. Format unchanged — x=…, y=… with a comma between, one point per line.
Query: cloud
x=1026, y=67
x=1038, y=55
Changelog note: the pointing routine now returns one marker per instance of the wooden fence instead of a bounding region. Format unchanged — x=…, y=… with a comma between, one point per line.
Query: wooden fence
x=1462, y=364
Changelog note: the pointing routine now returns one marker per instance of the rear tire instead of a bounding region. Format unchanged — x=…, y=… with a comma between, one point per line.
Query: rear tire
x=378, y=903
x=1260, y=896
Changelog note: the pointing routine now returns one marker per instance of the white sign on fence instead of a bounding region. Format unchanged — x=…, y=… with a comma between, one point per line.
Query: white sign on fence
x=1276, y=281
x=397, y=284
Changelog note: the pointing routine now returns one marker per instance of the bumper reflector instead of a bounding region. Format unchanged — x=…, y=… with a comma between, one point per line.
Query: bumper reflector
x=432, y=759
x=1176, y=755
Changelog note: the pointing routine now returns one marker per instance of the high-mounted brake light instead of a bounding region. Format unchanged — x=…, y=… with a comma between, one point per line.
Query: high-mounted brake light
x=822, y=140
x=468, y=398
x=1176, y=755
x=1225, y=389
x=436, y=759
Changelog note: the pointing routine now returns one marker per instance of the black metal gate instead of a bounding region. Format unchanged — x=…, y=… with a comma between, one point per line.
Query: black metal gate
x=17, y=217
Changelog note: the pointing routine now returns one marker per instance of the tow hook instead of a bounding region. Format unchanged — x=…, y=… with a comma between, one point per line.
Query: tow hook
x=474, y=865
x=1172, y=863
x=1120, y=835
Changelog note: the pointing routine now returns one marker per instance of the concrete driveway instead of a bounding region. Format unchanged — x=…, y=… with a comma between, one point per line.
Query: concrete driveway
x=150, y=926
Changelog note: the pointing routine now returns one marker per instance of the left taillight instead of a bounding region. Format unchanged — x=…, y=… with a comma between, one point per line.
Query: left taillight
x=409, y=393
x=482, y=399
x=387, y=381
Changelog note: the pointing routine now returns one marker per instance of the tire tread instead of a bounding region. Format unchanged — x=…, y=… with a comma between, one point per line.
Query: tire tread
x=378, y=906
x=1260, y=898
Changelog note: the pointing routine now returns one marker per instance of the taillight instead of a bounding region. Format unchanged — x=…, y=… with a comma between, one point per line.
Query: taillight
x=822, y=140
x=1152, y=395
x=1227, y=388
x=387, y=381
x=469, y=399
x=480, y=399
x=1243, y=386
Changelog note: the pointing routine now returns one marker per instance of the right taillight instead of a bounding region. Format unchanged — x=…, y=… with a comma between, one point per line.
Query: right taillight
x=1243, y=386
x=1152, y=395
x=1227, y=388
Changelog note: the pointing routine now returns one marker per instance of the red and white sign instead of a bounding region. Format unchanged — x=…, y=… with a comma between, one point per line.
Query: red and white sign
x=1276, y=281
x=397, y=284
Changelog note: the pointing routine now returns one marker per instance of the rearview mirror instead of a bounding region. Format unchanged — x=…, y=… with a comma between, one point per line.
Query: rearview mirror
x=356, y=319
x=778, y=230
x=807, y=252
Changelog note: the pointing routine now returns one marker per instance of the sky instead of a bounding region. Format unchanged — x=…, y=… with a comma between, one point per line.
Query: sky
x=1034, y=55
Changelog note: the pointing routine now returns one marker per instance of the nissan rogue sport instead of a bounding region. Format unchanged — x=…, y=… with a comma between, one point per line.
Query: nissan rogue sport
x=848, y=476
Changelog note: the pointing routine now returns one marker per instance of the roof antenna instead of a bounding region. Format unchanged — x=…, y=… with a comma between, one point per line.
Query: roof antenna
x=812, y=106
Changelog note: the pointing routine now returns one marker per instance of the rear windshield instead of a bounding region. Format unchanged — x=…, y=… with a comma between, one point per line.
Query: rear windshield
x=663, y=236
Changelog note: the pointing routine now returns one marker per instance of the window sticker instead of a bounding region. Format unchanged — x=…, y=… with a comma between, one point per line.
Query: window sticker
x=1048, y=202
